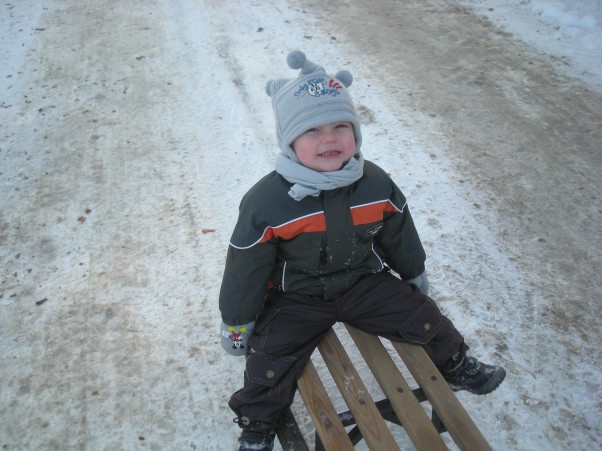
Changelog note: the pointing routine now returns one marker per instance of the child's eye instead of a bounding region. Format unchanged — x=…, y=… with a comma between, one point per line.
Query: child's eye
x=342, y=126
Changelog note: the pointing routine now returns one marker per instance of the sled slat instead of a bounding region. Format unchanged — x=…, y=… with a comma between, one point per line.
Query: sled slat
x=451, y=412
x=322, y=412
x=356, y=395
x=412, y=416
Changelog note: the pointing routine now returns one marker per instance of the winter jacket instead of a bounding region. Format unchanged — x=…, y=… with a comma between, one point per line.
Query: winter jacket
x=319, y=246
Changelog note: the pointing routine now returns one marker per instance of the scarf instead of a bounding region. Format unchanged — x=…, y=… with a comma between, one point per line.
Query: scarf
x=307, y=182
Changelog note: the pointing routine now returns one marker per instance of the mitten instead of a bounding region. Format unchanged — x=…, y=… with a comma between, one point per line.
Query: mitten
x=421, y=282
x=235, y=338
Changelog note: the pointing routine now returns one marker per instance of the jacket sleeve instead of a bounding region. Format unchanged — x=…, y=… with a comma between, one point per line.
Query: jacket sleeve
x=245, y=282
x=249, y=264
x=399, y=238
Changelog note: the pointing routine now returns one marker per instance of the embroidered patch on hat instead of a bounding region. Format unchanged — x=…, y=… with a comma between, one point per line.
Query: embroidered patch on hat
x=316, y=87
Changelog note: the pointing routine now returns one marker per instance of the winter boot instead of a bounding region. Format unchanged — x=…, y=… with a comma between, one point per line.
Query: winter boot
x=475, y=377
x=251, y=440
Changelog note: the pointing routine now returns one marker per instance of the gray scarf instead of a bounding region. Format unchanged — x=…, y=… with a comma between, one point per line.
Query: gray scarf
x=308, y=182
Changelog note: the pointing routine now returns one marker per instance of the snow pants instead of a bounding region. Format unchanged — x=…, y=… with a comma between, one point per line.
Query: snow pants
x=290, y=327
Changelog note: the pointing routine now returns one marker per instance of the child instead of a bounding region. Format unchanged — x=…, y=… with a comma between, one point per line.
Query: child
x=313, y=245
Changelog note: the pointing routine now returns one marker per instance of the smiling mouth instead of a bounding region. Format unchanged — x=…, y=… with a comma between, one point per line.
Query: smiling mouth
x=329, y=153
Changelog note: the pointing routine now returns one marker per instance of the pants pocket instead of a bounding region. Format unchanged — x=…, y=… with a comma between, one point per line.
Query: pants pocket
x=268, y=371
x=269, y=388
x=424, y=324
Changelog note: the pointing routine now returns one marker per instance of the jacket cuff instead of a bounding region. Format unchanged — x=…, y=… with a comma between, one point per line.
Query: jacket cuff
x=233, y=320
x=415, y=273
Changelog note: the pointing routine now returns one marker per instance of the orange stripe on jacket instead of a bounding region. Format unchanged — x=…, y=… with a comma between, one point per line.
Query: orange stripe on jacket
x=312, y=223
x=369, y=213
x=361, y=214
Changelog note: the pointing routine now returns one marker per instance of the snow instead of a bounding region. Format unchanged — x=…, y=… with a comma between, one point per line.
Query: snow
x=570, y=31
x=130, y=131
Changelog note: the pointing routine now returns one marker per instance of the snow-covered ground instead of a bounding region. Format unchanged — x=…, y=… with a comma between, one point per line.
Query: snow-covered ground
x=570, y=31
x=130, y=130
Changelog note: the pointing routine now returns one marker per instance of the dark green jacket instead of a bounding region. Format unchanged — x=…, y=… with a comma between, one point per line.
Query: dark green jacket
x=319, y=246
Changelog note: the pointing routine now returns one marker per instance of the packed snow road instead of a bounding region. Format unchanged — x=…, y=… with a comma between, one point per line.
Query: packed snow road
x=130, y=130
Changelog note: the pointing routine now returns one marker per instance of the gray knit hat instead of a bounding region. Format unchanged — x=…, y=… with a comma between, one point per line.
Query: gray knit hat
x=310, y=100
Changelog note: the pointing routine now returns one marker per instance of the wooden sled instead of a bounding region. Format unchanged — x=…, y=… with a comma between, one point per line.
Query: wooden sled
x=366, y=417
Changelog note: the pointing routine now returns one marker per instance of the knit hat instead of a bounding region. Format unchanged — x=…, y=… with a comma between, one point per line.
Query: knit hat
x=311, y=100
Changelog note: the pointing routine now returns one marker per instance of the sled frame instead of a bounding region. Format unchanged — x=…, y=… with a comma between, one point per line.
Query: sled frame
x=366, y=418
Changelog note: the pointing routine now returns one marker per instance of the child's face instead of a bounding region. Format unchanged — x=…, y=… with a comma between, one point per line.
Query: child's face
x=327, y=147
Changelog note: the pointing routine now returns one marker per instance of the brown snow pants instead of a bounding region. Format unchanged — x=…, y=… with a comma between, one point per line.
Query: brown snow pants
x=290, y=327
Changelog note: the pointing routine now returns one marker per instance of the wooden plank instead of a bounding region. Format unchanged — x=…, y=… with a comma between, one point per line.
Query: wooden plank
x=289, y=434
x=410, y=413
x=322, y=412
x=451, y=412
x=354, y=392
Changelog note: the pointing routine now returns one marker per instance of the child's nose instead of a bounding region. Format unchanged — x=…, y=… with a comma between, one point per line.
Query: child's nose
x=329, y=136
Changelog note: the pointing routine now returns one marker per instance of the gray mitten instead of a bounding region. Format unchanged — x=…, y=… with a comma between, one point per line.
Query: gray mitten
x=421, y=282
x=235, y=338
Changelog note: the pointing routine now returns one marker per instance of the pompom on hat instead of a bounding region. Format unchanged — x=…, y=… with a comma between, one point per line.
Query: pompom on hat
x=311, y=100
